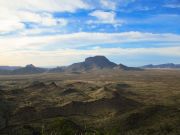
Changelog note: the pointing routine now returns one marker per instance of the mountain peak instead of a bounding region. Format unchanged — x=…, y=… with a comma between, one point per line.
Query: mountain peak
x=30, y=66
x=29, y=69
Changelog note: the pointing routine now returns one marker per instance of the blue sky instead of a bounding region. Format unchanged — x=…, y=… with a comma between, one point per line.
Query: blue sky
x=61, y=32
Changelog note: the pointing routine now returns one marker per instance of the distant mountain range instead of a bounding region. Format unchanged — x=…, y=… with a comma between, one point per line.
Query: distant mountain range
x=90, y=63
x=93, y=63
x=29, y=69
x=167, y=65
x=9, y=67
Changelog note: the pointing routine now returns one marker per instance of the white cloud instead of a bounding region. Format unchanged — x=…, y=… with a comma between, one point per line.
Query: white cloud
x=108, y=4
x=44, y=19
x=22, y=50
x=13, y=14
x=13, y=21
x=7, y=26
x=75, y=40
x=41, y=19
x=106, y=17
x=45, y=5
x=40, y=31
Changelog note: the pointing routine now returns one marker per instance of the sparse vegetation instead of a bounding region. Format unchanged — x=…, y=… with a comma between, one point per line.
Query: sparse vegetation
x=106, y=102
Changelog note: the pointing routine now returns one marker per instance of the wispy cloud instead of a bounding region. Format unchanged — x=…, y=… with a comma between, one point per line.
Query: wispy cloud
x=75, y=40
x=108, y=4
x=172, y=5
x=105, y=17
x=25, y=49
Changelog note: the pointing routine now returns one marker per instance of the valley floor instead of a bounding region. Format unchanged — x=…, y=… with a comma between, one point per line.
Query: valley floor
x=103, y=102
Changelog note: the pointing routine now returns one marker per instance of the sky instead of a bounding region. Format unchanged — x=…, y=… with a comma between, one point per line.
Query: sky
x=61, y=32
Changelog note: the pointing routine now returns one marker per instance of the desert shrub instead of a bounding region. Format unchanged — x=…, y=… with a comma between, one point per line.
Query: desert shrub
x=61, y=126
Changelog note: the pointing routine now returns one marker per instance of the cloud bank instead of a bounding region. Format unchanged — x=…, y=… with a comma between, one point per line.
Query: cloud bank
x=59, y=32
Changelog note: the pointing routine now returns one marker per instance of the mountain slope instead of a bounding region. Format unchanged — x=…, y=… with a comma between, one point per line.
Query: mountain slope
x=123, y=67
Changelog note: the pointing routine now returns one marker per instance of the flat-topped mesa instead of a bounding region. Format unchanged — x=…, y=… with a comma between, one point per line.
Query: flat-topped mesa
x=100, y=61
x=91, y=63
x=30, y=66
x=96, y=59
